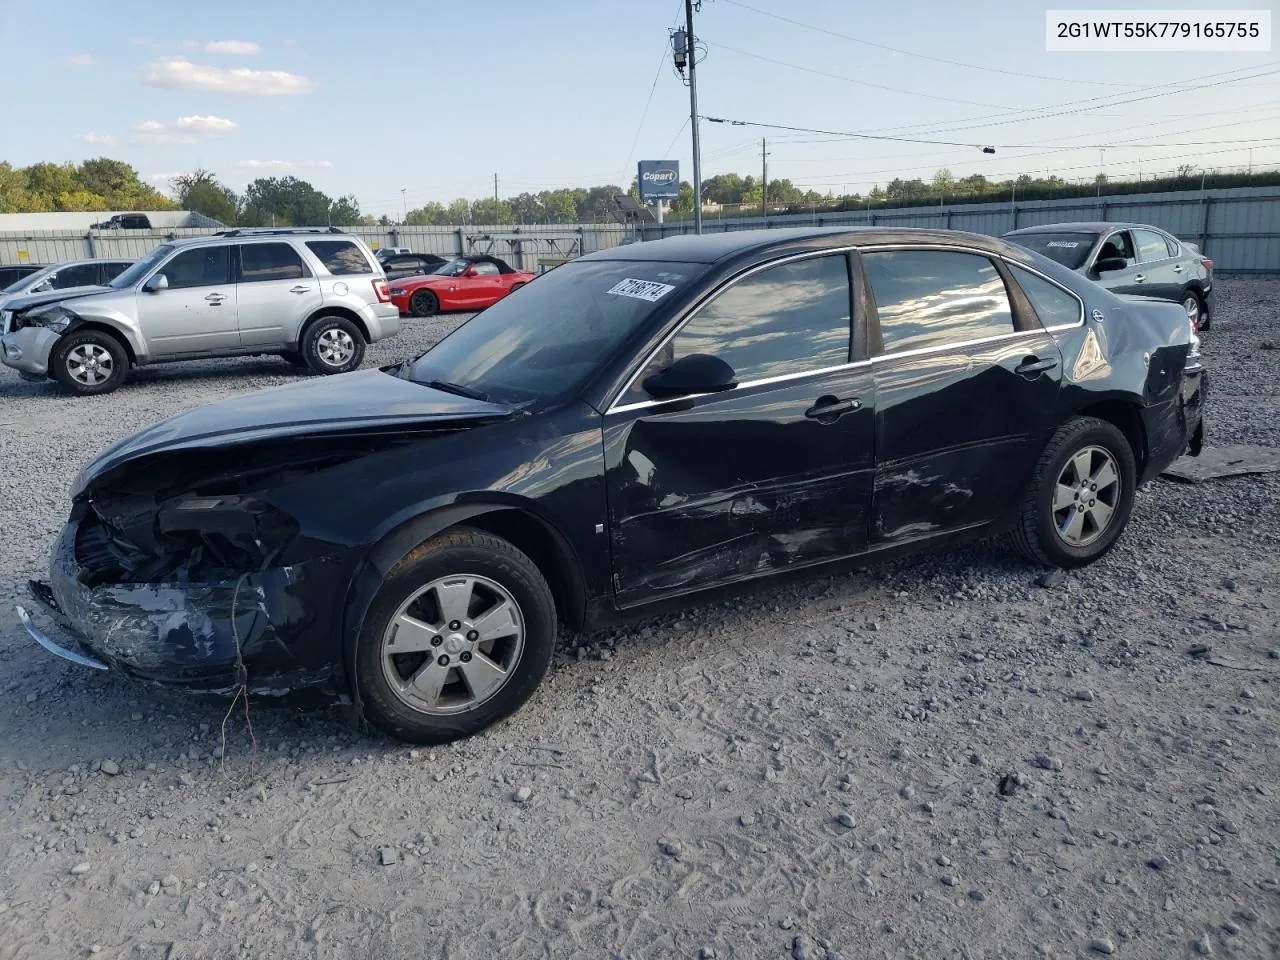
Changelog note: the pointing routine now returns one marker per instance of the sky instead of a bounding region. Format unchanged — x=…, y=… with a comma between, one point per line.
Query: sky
x=434, y=98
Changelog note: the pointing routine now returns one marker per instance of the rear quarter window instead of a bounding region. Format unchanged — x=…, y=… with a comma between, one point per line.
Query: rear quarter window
x=340, y=257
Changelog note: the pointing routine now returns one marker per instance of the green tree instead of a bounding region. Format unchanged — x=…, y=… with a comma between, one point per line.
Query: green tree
x=284, y=201
x=459, y=211
x=201, y=192
x=682, y=206
x=483, y=212
x=119, y=186
x=345, y=211
x=560, y=206
x=425, y=215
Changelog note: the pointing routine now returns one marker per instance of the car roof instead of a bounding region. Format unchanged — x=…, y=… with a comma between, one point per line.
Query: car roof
x=714, y=247
x=255, y=233
x=1078, y=226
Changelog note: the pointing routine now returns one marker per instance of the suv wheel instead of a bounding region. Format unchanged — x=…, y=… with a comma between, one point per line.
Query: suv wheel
x=333, y=344
x=1080, y=497
x=89, y=362
x=458, y=637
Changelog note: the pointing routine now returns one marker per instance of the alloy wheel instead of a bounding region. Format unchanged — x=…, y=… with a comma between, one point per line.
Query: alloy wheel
x=1086, y=496
x=335, y=347
x=1192, y=305
x=90, y=364
x=453, y=645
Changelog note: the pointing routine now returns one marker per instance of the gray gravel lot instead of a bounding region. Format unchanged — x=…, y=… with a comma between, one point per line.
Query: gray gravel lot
x=931, y=758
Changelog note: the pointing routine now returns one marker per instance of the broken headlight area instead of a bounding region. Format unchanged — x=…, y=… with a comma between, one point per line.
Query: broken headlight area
x=56, y=318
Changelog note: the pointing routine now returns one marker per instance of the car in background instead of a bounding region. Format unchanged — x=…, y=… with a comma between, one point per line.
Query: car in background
x=642, y=424
x=313, y=296
x=11, y=273
x=63, y=276
x=1130, y=259
x=463, y=283
x=390, y=251
x=411, y=264
x=124, y=221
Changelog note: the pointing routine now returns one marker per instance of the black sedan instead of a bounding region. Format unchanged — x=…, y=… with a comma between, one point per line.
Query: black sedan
x=410, y=264
x=1131, y=259
x=639, y=425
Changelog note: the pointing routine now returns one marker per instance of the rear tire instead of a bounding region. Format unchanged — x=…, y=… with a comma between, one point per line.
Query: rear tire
x=424, y=303
x=89, y=362
x=459, y=672
x=332, y=344
x=1080, y=496
x=1193, y=304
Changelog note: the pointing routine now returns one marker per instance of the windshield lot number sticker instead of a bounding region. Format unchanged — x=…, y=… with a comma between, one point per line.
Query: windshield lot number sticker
x=1069, y=244
x=649, y=290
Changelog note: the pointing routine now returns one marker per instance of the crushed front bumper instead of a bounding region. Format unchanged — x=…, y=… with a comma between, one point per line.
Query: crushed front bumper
x=27, y=350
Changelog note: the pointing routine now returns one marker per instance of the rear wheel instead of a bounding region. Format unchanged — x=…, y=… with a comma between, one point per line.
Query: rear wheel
x=424, y=303
x=1194, y=307
x=1080, y=496
x=333, y=344
x=458, y=637
x=89, y=362
x=514, y=288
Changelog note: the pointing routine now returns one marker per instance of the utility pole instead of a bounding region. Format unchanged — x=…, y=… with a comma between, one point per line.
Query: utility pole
x=764, y=179
x=693, y=117
x=1102, y=168
x=495, y=199
x=405, y=204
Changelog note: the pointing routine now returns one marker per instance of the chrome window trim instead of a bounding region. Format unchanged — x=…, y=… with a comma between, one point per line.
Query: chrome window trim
x=615, y=407
x=697, y=308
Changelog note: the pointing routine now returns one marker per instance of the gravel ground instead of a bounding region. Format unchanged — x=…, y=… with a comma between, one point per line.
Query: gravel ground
x=932, y=758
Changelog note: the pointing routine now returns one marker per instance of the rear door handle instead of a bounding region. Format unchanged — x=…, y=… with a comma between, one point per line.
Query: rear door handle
x=1032, y=367
x=1177, y=268
x=831, y=409
x=299, y=289
x=1139, y=278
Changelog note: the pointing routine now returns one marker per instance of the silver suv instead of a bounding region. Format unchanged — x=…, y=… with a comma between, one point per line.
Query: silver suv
x=313, y=296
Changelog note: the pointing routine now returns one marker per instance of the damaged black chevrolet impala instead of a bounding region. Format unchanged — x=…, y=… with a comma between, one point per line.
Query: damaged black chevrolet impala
x=635, y=426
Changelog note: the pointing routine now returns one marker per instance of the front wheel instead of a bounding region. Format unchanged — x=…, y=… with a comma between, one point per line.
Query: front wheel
x=424, y=303
x=90, y=362
x=458, y=637
x=1080, y=496
x=333, y=344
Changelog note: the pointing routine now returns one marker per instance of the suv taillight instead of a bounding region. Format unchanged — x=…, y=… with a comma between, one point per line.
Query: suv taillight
x=381, y=292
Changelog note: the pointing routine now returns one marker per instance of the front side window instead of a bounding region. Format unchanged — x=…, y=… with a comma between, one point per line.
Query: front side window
x=199, y=267
x=788, y=319
x=1118, y=246
x=1151, y=246
x=260, y=262
x=340, y=257
x=931, y=298
x=1053, y=305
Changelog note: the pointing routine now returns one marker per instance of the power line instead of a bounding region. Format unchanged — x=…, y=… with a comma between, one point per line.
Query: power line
x=922, y=56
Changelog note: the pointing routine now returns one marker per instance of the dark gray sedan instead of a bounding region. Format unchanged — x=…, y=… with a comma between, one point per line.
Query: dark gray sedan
x=1131, y=259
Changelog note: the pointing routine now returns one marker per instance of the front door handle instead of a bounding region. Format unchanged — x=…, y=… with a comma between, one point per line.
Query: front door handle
x=1177, y=268
x=1032, y=367
x=831, y=409
x=215, y=298
x=1139, y=278
x=299, y=289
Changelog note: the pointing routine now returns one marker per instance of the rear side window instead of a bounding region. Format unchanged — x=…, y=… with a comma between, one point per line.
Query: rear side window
x=1172, y=245
x=340, y=257
x=1151, y=246
x=199, y=267
x=270, y=261
x=931, y=298
x=784, y=320
x=112, y=270
x=81, y=275
x=1054, y=306
x=487, y=270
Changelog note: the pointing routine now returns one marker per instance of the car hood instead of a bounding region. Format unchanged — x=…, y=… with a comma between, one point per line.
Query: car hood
x=17, y=302
x=352, y=402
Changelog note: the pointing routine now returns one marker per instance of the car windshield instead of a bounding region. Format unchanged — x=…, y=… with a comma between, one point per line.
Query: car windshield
x=140, y=269
x=1069, y=249
x=548, y=338
x=29, y=280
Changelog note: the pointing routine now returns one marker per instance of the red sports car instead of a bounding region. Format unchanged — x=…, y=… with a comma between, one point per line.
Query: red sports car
x=464, y=283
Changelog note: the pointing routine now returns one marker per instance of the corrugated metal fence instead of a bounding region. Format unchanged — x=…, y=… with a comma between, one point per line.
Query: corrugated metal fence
x=1239, y=228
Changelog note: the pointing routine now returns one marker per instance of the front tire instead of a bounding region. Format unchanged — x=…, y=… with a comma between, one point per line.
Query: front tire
x=90, y=362
x=458, y=637
x=424, y=303
x=333, y=344
x=1080, y=496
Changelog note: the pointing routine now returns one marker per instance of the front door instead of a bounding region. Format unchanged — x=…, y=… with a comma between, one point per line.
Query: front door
x=965, y=390
x=275, y=293
x=1157, y=265
x=773, y=473
x=197, y=313
x=485, y=287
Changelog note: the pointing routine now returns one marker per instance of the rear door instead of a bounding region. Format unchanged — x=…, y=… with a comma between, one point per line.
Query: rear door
x=197, y=313
x=965, y=387
x=772, y=474
x=275, y=292
x=1160, y=269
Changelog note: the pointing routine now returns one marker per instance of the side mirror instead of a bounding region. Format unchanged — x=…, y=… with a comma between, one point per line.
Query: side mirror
x=42, y=286
x=1109, y=264
x=696, y=373
x=156, y=284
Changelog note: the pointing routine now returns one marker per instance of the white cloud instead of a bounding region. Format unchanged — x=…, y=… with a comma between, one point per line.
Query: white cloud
x=165, y=177
x=81, y=60
x=174, y=73
x=156, y=133
x=235, y=47
x=282, y=166
x=97, y=139
x=206, y=124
